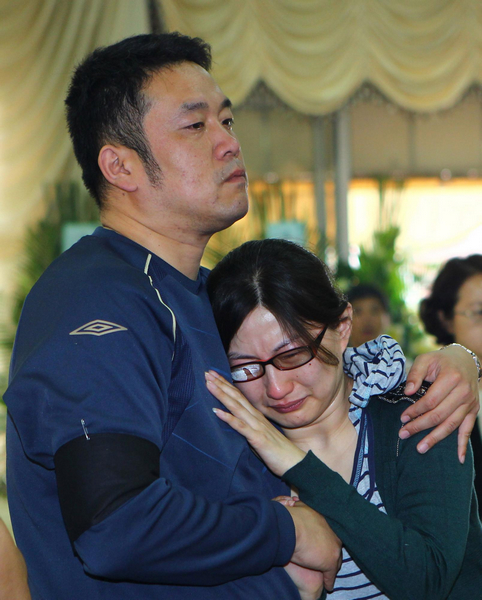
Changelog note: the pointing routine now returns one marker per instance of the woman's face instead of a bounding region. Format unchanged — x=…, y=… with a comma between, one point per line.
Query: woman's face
x=294, y=398
x=466, y=325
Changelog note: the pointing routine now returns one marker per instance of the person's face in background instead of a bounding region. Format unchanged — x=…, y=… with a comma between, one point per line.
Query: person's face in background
x=466, y=325
x=369, y=320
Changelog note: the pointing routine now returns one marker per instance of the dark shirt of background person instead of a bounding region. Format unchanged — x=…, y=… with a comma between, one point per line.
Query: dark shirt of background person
x=453, y=313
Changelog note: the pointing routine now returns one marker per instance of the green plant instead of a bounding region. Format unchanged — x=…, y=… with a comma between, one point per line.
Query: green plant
x=269, y=203
x=66, y=202
x=382, y=265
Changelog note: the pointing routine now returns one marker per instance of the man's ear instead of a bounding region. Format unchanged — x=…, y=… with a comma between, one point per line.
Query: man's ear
x=345, y=325
x=119, y=166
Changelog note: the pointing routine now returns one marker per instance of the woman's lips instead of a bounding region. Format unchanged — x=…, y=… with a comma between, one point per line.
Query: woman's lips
x=288, y=407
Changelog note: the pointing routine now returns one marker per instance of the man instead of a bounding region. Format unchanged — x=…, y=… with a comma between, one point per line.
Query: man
x=371, y=316
x=122, y=481
x=111, y=353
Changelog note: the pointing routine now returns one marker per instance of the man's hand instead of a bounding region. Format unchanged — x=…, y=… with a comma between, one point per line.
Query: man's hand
x=317, y=547
x=451, y=402
x=308, y=581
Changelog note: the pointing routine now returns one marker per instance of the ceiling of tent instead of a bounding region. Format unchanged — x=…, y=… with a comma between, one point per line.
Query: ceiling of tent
x=40, y=43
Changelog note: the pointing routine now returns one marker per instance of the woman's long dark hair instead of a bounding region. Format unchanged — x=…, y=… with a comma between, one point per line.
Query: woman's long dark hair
x=445, y=295
x=290, y=282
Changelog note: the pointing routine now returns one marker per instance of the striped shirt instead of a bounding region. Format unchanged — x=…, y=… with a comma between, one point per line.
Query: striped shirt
x=351, y=583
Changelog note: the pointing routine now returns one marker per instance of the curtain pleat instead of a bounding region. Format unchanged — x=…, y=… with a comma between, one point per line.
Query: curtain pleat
x=422, y=54
x=40, y=43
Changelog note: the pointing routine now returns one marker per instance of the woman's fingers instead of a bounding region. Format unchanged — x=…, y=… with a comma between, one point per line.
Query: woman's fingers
x=271, y=445
x=243, y=417
x=226, y=393
x=286, y=500
x=235, y=402
x=240, y=426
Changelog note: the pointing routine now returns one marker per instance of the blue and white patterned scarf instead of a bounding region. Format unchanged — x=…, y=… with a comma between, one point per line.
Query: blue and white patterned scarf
x=375, y=367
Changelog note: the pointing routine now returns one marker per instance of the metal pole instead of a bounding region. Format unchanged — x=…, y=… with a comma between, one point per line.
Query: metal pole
x=319, y=168
x=342, y=180
x=155, y=17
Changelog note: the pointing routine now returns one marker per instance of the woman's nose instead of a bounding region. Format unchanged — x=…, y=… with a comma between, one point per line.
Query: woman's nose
x=278, y=383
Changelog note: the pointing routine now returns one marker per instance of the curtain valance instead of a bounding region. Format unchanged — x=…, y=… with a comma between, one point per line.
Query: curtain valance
x=422, y=54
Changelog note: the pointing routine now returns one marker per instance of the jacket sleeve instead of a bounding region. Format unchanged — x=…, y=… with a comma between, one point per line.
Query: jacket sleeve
x=417, y=550
x=168, y=535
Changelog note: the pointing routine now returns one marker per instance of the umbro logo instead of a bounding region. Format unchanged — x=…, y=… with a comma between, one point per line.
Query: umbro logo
x=98, y=327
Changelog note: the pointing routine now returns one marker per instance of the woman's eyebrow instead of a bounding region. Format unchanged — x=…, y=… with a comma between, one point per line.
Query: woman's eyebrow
x=237, y=356
x=282, y=345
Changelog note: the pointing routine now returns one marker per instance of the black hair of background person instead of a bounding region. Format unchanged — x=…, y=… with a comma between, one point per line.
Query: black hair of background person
x=366, y=290
x=440, y=305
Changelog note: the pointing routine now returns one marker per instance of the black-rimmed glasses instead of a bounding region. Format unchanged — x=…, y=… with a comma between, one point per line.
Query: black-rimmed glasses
x=284, y=361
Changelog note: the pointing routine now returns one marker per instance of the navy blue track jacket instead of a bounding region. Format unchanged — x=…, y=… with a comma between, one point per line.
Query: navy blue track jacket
x=122, y=482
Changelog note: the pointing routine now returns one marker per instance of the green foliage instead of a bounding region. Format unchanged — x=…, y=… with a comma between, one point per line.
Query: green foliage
x=66, y=202
x=268, y=203
x=41, y=247
x=383, y=267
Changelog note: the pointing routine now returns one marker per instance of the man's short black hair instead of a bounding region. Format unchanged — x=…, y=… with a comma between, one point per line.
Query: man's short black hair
x=366, y=290
x=105, y=103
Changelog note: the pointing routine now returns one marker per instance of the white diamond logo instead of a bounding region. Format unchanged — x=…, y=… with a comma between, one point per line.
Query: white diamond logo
x=98, y=327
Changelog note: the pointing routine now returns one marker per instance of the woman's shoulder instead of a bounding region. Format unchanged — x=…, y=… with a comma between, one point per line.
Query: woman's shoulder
x=386, y=408
x=397, y=395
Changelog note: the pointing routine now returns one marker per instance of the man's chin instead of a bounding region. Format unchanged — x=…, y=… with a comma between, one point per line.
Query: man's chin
x=237, y=211
x=242, y=209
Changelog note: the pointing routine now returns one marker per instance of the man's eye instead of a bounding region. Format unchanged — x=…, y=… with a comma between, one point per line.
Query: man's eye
x=196, y=126
x=229, y=123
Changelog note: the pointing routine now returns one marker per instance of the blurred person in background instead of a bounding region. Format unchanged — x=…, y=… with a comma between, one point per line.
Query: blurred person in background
x=371, y=316
x=453, y=313
x=13, y=572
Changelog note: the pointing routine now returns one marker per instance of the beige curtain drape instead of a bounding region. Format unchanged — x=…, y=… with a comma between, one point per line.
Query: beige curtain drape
x=422, y=54
x=40, y=42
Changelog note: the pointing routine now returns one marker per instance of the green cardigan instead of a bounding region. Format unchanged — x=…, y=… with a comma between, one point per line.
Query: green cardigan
x=429, y=544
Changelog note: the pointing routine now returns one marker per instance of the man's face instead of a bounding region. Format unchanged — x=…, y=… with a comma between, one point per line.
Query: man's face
x=203, y=185
x=369, y=320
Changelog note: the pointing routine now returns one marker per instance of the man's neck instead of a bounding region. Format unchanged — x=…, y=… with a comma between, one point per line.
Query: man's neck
x=185, y=256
